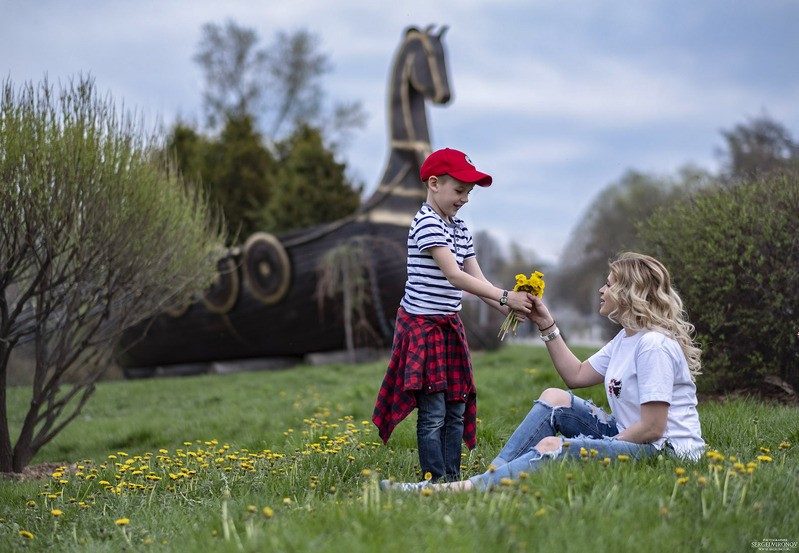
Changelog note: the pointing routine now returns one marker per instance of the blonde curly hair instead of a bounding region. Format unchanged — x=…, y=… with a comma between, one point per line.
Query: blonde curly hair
x=645, y=299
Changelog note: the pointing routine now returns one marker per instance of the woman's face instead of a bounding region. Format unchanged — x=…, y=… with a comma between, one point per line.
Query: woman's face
x=606, y=303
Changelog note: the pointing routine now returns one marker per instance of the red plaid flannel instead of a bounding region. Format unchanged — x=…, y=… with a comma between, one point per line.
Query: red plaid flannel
x=429, y=353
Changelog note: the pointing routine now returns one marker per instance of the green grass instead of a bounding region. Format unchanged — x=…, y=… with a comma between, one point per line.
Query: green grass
x=293, y=444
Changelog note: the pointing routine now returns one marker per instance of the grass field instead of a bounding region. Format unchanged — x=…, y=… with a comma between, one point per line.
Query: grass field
x=287, y=461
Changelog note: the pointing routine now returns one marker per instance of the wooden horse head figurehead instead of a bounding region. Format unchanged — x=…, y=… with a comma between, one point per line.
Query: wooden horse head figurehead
x=419, y=73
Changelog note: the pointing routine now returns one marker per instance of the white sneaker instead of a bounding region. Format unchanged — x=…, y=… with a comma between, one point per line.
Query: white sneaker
x=404, y=486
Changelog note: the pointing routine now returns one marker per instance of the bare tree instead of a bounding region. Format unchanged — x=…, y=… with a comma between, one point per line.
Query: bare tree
x=757, y=147
x=279, y=86
x=97, y=233
x=234, y=71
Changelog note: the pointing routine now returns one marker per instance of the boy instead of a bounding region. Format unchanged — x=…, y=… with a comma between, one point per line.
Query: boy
x=430, y=366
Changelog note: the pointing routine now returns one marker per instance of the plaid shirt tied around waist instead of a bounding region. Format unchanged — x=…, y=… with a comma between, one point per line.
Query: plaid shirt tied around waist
x=429, y=353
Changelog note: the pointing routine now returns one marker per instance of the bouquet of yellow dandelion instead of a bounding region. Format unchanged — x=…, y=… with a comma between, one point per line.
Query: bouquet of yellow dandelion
x=535, y=285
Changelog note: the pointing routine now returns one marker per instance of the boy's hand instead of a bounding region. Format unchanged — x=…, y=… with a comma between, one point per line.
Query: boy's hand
x=520, y=301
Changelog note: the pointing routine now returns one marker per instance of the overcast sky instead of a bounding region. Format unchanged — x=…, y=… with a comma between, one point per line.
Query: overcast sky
x=555, y=99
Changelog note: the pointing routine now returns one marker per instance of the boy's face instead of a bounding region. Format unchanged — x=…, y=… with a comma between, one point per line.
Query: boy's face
x=447, y=195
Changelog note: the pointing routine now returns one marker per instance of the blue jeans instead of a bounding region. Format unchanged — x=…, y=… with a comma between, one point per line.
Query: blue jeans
x=582, y=425
x=439, y=432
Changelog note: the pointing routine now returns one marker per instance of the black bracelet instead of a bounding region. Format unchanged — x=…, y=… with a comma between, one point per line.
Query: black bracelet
x=547, y=327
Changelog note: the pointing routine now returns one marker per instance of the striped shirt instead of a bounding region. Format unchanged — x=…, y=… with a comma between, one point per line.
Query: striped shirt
x=427, y=290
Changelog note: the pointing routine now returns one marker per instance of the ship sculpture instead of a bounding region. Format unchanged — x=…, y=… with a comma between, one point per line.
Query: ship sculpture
x=276, y=296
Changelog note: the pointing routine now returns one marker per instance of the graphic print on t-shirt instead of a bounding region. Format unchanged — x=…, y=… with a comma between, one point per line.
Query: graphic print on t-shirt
x=615, y=387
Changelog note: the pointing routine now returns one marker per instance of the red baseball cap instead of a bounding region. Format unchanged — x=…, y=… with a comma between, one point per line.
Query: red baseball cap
x=454, y=163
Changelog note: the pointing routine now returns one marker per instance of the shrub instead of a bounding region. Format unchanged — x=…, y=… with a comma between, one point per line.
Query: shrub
x=733, y=252
x=97, y=233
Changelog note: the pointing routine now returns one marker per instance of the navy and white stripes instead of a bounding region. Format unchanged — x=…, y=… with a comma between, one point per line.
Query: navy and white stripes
x=427, y=291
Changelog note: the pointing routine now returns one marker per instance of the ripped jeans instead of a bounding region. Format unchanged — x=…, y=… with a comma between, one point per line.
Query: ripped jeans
x=582, y=425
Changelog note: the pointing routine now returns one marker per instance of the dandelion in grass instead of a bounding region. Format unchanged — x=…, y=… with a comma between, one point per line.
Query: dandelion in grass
x=541, y=512
x=535, y=286
x=764, y=458
x=428, y=476
x=427, y=491
x=122, y=521
x=25, y=534
x=268, y=512
x=623, y=458
x=56, y=512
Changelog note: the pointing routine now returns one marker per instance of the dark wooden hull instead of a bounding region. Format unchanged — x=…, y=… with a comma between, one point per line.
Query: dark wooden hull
x=293, y=326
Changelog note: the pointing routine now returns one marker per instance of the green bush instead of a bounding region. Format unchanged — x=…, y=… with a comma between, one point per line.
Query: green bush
x=733, y=252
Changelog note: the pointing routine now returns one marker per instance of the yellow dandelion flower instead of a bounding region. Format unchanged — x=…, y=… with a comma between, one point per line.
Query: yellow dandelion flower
x=702, y=481
x=583, y=452
x=506, y=482
x=765, y=450
x=623, y=457
x=764, y=458
x=594, y=452
x=534, y=285
x=664, y=512
x=366, y=472
x=683, y=480
x=56, y=512
x=252, y=508
x=31, y=503
x=715, y=455
x=26, y=534
x=785, y=444
x=428, y=475
x=268, y=512
x=427, y=491
x=286, y=501
x=541, y=512
x=122, y=521
x=679, y=471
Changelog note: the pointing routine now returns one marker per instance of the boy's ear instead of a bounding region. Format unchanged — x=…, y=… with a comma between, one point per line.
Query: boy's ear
x=433, y=182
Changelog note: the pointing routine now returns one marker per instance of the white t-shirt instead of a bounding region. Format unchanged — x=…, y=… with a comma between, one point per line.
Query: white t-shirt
x=650, y=366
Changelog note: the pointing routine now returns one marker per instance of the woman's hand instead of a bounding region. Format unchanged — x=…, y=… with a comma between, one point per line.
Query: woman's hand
x=539, y=314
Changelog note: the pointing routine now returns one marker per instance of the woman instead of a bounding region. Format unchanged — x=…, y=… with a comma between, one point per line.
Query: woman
x=648, y=370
